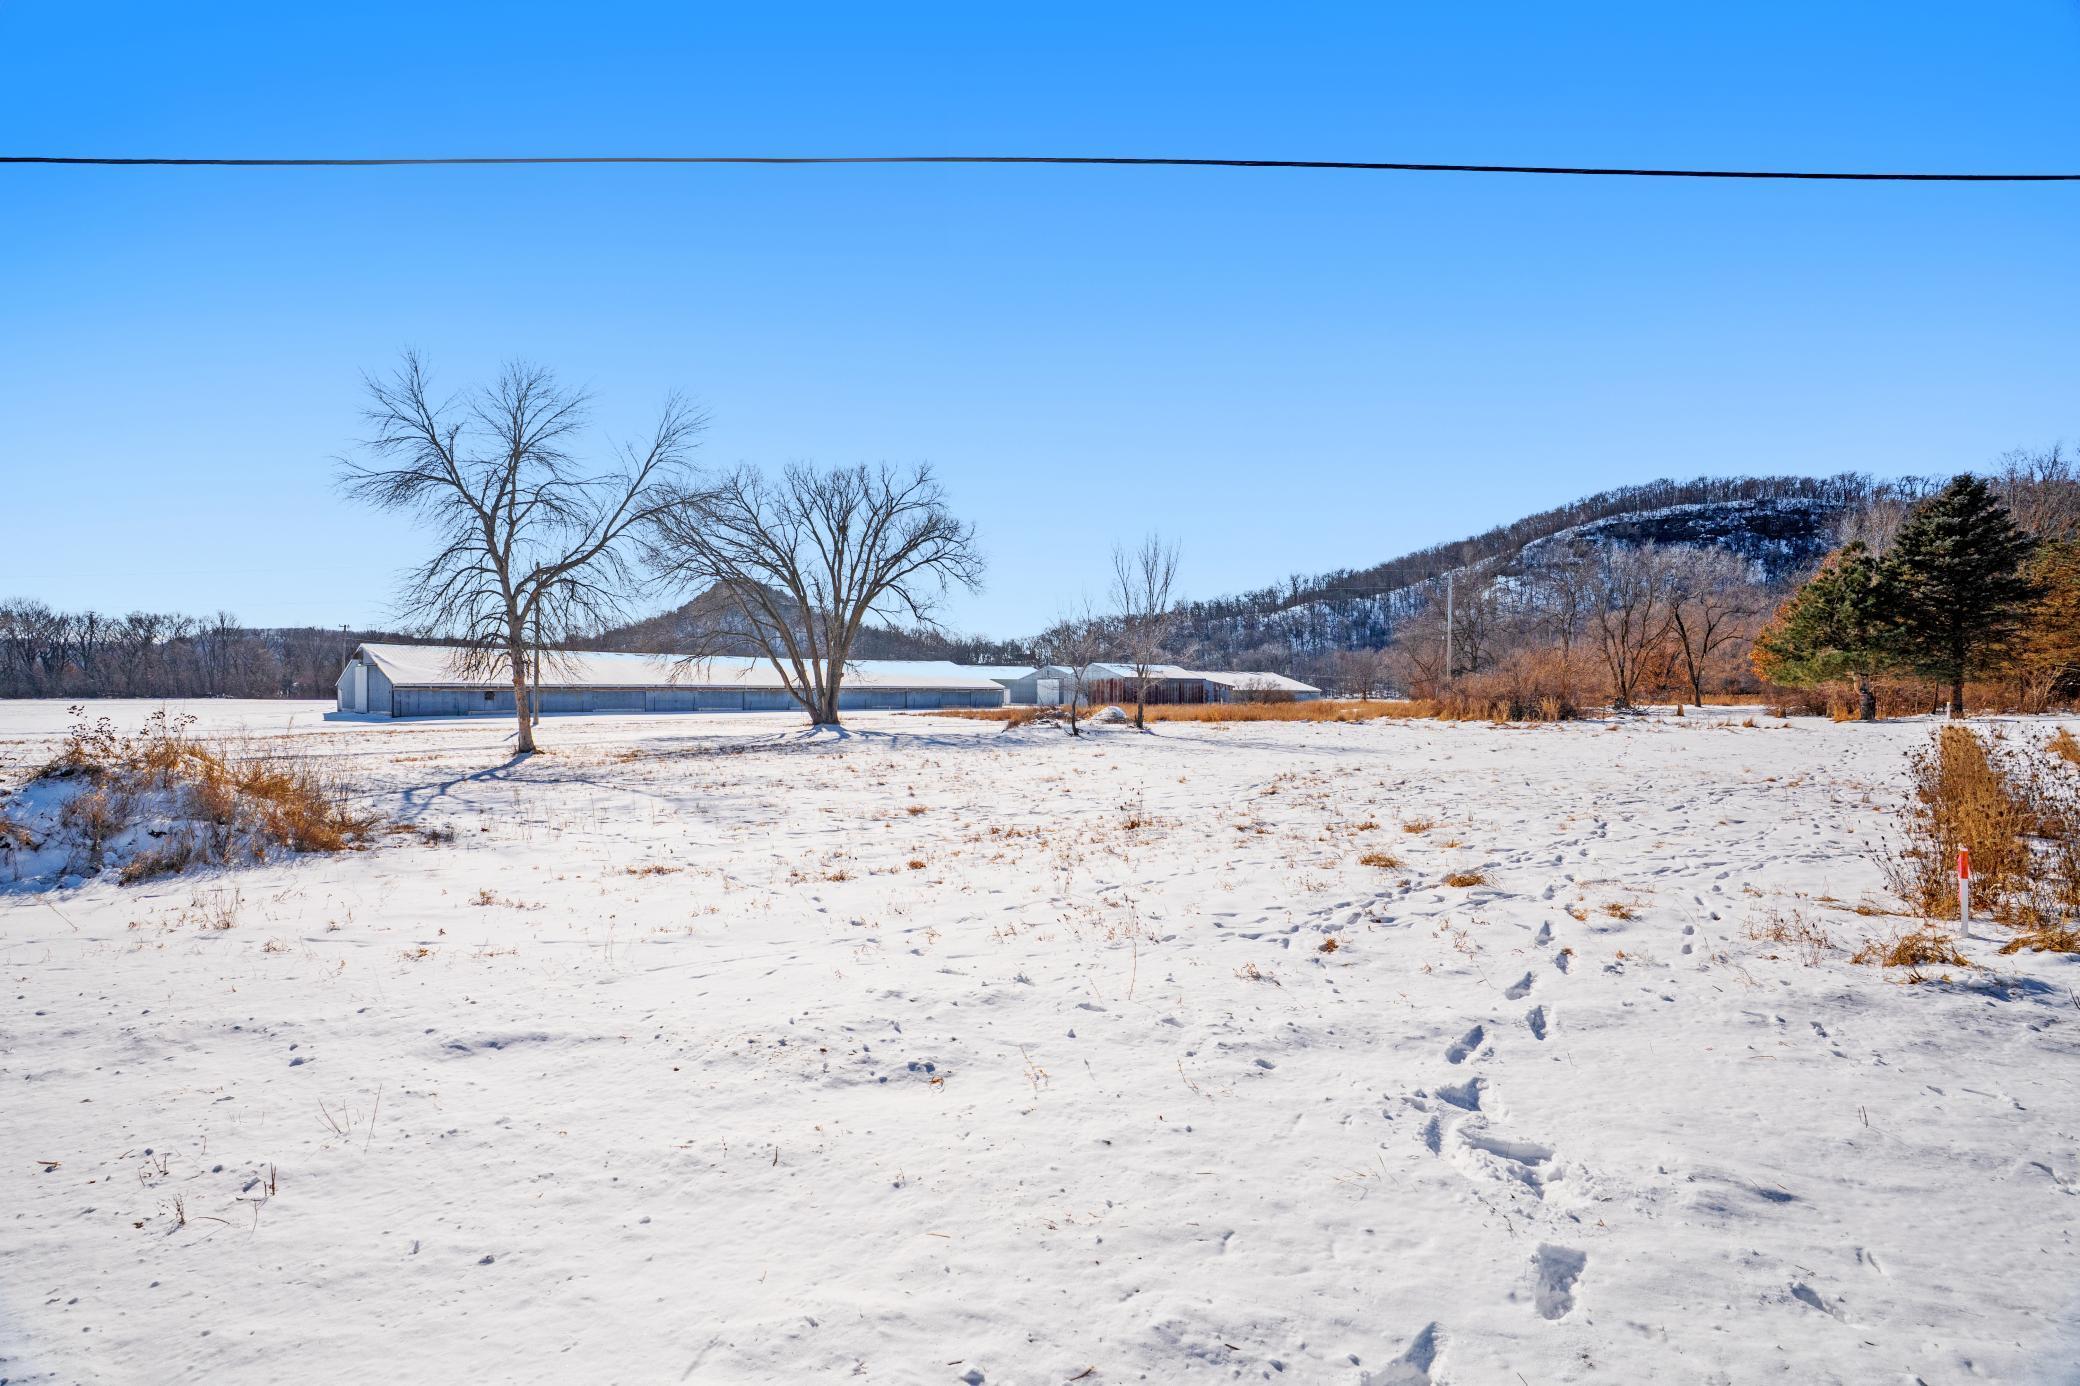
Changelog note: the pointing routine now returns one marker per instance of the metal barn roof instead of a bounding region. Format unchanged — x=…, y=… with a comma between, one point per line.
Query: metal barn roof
x=1247, y=682
x=442, y=666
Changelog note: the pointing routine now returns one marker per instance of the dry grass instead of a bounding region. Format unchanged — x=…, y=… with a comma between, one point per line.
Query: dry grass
x=1618, y=909
x=1464, y=879
x=236, y=800
x=1927, y=946
x=1794, y=930
x=2065, y=746
x=1418, y=825
x=1385, y=861
x=2052, y=938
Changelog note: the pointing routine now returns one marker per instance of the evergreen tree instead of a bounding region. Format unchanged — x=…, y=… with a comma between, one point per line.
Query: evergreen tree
x=1836, y=626
x=1956, y=582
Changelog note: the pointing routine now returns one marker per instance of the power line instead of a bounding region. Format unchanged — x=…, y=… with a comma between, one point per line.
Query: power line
x=1351, y=165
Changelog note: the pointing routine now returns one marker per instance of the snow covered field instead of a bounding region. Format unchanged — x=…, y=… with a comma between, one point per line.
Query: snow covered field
x=713, y=1051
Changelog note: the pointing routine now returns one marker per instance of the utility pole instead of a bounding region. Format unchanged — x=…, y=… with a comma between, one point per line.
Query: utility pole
x=1448, y=623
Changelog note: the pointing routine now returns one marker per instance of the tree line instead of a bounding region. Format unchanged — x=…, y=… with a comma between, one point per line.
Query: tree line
x=45, y=653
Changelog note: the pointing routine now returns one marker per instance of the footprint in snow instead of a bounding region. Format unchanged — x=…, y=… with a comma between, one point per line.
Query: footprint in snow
x=1805, y=1294
x=1414, y=1365
x=1481, y=1154
x=1468, y=1043
x=1520, y=988
x=1465, y=1096
x=1536, y=1019
x=1555, y=1271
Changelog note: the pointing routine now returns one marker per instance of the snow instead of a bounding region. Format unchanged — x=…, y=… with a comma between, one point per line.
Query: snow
x=698, y=1056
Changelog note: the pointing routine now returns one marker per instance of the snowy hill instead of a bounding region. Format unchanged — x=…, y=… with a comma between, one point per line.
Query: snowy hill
x=1781, y=524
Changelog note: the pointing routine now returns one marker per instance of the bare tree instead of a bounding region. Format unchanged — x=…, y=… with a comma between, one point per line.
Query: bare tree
x=1631, y=615
x=1075, y=642
x=1712, y=595
x=531, y=540
x=809, y=557
x=2042, y=491
x=1560, y=587
x=1366, y=673
x=1141, y=597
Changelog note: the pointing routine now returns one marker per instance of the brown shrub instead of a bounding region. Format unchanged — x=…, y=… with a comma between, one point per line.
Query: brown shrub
x=1466, y=878
x=1385, y=861
x=2065, y=746
x=1529, y=686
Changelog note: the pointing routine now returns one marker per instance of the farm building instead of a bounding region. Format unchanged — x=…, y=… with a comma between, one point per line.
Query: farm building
x=1003, y=675
x=431, y=681
x=1167, y=683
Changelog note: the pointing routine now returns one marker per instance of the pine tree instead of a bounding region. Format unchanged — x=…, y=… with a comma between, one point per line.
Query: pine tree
x=1957, y=585
x=1836, y=626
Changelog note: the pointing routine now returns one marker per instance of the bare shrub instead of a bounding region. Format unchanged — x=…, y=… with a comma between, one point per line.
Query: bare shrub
x=1528, y=686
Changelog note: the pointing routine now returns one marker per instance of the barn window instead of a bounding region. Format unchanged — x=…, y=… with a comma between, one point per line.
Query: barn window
x=489, y=695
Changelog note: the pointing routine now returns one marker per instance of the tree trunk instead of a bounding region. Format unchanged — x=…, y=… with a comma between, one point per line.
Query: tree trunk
x=523, y=744
x=1957, y=694
x=1866, y=699
x=1140, y=703
x=823, y=709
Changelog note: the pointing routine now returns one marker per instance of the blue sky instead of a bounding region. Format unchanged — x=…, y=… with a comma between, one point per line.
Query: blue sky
x=1285, y=371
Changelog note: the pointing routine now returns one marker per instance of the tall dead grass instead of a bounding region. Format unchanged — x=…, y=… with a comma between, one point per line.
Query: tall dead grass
x=2016, y=814
x=1477, y=699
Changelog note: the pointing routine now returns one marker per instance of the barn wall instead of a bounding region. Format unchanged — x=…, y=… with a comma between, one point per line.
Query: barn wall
x=1122, y=691
x=381, y=693
x=413, y=701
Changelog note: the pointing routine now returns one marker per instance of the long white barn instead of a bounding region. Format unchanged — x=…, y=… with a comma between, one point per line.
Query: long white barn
x=431, y=681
